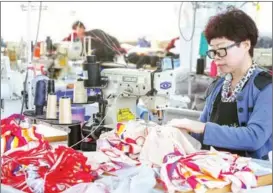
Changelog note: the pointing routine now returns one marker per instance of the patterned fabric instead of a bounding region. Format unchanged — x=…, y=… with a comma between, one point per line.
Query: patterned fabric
x=39, y=168
x=128, y=138
x=13, y=135
x=226, y=89
x=206, y=170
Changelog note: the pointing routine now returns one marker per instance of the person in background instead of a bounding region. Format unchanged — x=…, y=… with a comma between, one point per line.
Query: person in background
x=237, y=116
x=78, y=31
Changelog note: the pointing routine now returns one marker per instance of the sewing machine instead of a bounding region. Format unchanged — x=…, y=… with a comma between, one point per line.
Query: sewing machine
x=122, y=88
x=11, y=88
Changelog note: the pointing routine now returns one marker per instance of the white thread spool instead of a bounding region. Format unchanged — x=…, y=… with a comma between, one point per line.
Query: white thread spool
x=80, y=93
x=65, y=115
x=51, y=110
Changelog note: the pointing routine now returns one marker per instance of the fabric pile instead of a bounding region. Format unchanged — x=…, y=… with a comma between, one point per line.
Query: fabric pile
x=128, y=138
x=38, y=168
x=13, y=135
x=145, y=143
x=205, y=170
x=137, y=155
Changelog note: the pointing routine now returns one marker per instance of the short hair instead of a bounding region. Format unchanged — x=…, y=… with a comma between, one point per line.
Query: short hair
x=78, y=24
x=233, y=24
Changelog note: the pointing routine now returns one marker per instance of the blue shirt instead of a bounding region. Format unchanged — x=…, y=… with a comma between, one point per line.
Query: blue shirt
x=254, y=104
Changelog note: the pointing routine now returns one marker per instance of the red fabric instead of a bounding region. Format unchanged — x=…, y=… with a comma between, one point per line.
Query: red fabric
x=213, y=69
x=171, y=44
x=13, y=135
x=75, y=35
x=60, y=168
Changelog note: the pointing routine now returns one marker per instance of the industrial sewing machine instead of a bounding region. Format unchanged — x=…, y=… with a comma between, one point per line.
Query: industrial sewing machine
x=11, y=87
x=121, y=89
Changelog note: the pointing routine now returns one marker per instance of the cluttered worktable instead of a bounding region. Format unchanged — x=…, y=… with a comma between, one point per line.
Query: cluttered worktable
x=139, y=182
x=264, y=183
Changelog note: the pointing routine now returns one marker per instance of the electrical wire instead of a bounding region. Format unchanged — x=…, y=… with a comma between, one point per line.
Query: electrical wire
x=109, y=46
x=26, y=77
x=194, y=21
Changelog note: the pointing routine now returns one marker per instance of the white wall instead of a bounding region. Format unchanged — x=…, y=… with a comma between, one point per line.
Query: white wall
x=125, y=20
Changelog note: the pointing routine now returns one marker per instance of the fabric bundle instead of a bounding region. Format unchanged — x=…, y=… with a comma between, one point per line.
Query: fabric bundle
x=205, y=170
x=128, y=138
x=163, y=140
x=13, y=135
x=147, y=143
x=37, y=168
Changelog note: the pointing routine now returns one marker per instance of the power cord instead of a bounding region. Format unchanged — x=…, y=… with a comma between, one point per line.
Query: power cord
x=194, y=21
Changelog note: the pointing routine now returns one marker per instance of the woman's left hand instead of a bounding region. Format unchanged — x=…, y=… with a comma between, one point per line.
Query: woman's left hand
x=189, y=125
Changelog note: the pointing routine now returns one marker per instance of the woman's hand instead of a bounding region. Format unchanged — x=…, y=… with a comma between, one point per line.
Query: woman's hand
x=189, y=125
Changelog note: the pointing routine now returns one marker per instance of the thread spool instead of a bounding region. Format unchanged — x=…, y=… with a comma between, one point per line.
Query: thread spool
x=51, y=111
x=74, y=136
x=91, y=70
x=65, y=115
x=80, y=93
x=40, y=97
x=50, y=86
x=200, y=67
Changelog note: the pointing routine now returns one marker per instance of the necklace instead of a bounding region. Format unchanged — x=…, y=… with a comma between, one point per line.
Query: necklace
x=227, y=88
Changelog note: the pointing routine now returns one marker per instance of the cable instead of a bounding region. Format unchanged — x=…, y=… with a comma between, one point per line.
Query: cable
x=25, y=83
x=194, y=20
x=109, y=46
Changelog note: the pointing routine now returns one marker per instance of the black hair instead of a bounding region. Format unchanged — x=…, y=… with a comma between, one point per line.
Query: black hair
x=78, y=24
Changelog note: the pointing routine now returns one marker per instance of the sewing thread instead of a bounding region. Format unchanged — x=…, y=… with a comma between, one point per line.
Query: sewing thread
x=51, y=111
x=65, y=115
x=40, y=97
x=80, y=93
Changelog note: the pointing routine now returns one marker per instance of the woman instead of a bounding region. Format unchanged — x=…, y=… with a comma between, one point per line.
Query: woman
x=78, y=31
x=237, y=116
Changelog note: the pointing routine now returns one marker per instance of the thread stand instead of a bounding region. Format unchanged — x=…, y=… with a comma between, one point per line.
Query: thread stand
x=74, y=135
x=87, y=103
x=43, y=117
x=73, y=129
x=31, y=114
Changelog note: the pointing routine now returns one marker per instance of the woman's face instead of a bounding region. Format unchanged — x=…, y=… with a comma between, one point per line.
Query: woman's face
x=80, y=31
x=228, y=55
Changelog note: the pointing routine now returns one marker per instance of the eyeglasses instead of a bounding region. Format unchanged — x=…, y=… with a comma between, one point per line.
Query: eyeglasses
x=221, y=52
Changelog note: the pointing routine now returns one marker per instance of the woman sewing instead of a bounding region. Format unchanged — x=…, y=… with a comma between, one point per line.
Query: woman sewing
x=237, y=116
